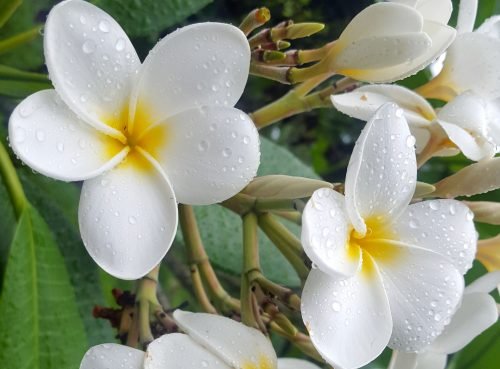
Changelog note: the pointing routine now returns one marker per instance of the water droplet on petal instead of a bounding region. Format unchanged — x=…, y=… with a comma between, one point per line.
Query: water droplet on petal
x=60, y=147
x=203, y=145
x=40, y=135
x=88, y=47
x=132, y=220
x=336, y=306
x=120, y=44
x=226, y=152
x=104, y=26
x=411, y=141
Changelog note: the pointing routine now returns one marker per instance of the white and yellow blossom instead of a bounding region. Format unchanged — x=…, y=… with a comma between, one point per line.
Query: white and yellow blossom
x=142, y=136
x=469, y=121
x=390, y=41
x=209, y=341
x=386, y=272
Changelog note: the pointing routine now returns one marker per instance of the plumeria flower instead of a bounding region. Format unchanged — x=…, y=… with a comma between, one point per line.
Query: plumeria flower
x=386, y=272
x=469, y=121
x=471, y=60
x=142, y=136
x=209, y=341
x=477, y=313
x=390, y=41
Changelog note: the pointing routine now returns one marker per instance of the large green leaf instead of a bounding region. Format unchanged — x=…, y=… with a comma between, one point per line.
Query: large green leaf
x=39, y=319
x=221, y=229
x=58, y=204
x=147, y=18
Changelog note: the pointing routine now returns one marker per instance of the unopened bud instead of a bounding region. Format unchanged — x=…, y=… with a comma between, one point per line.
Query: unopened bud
x=284, y=187
x=423, y=189
x=255, y=19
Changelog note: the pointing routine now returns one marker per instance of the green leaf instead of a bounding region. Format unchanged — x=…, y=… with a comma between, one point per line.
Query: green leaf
x=28, y=56
x=221, y=229
x=7, y=226
x=39, y=319
x=58, y=204
x=147, y=18
x=19, y=84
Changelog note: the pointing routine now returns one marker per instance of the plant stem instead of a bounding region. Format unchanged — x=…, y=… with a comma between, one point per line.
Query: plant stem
x=146, y=302
x=198, y=258
x=10, y=43
x=285, y=241
x=251, y=263
x=12, y=182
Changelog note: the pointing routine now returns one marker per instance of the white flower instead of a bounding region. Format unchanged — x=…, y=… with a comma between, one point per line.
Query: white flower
x=210, y=341
x=386, y=272
x=470, y=122
x=390, y=41
x=471, y=60
x=477, y=313
x=142, y=136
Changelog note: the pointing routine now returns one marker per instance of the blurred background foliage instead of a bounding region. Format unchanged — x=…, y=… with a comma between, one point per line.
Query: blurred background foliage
x=50, y=284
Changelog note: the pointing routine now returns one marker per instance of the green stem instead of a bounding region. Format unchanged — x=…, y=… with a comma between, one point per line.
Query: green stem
x=12, y=182
x=198, y=258
x=7, y=8
x=10, y=43
x=285, y=241
x=251, y=263
x=147, y=302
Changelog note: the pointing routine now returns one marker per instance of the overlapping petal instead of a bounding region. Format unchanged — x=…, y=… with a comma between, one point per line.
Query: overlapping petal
x=381, y=175
x=424, y=290
x=466, y=15
x=291, y=363
x=491, y=27
x=50, y=138
x=325, y=234
x=363, y=102
x=209, y=154
x=111, y=355
x=176, y=351
x=442, y=226
x=236, y=344
x=91, y=63
x=349, y=321
x=198, y=65
x=128, y=217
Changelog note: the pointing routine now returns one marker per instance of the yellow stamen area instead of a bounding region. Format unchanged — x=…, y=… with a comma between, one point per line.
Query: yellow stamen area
x=264, y=363
x=139, y=136
x=376, y=245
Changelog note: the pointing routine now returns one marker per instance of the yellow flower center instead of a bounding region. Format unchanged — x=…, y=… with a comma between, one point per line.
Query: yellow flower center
x=140, y=136
x=378, y=242
x=264, y=363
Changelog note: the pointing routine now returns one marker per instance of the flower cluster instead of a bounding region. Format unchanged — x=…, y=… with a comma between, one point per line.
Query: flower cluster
x=387, y=266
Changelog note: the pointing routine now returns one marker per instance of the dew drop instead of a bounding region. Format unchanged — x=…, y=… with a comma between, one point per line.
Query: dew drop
x=435, y=204
x=83, y=20
x=203, y=145
x=204, y=363
x=437, y=317
x=40, y=135
x=104, y=26
x=469, y=215
x=411, y=141
x=336, y=306
x=120, y=44
x=413, y=224
x=246, y=140
x=132, y=220
x=60, y=147
x=226, y=152
x=88, y=47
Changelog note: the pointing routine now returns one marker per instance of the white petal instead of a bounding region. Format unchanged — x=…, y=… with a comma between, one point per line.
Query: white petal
x=484, y=284
x=442, y=226
x=477, y=313
x=381, y=175
x=403, y=360
x=464, y=70
x=49, y=137
x=91, y=63
x=291, y=363
x=441, y=35
x=128, y=218
x=238, y=345
x=364, y=101
x=111, y=355
x=475, y=148
x=424, y=290
x=466, y=15
x=468, y=111
x=325, y=234
x=374, y=52
x=179, y=351
x=211, y=153
x=490, y=26
x=382, y=19
x=435, y=10
x=349, y=321
x=431, y=360
x=201, y=64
